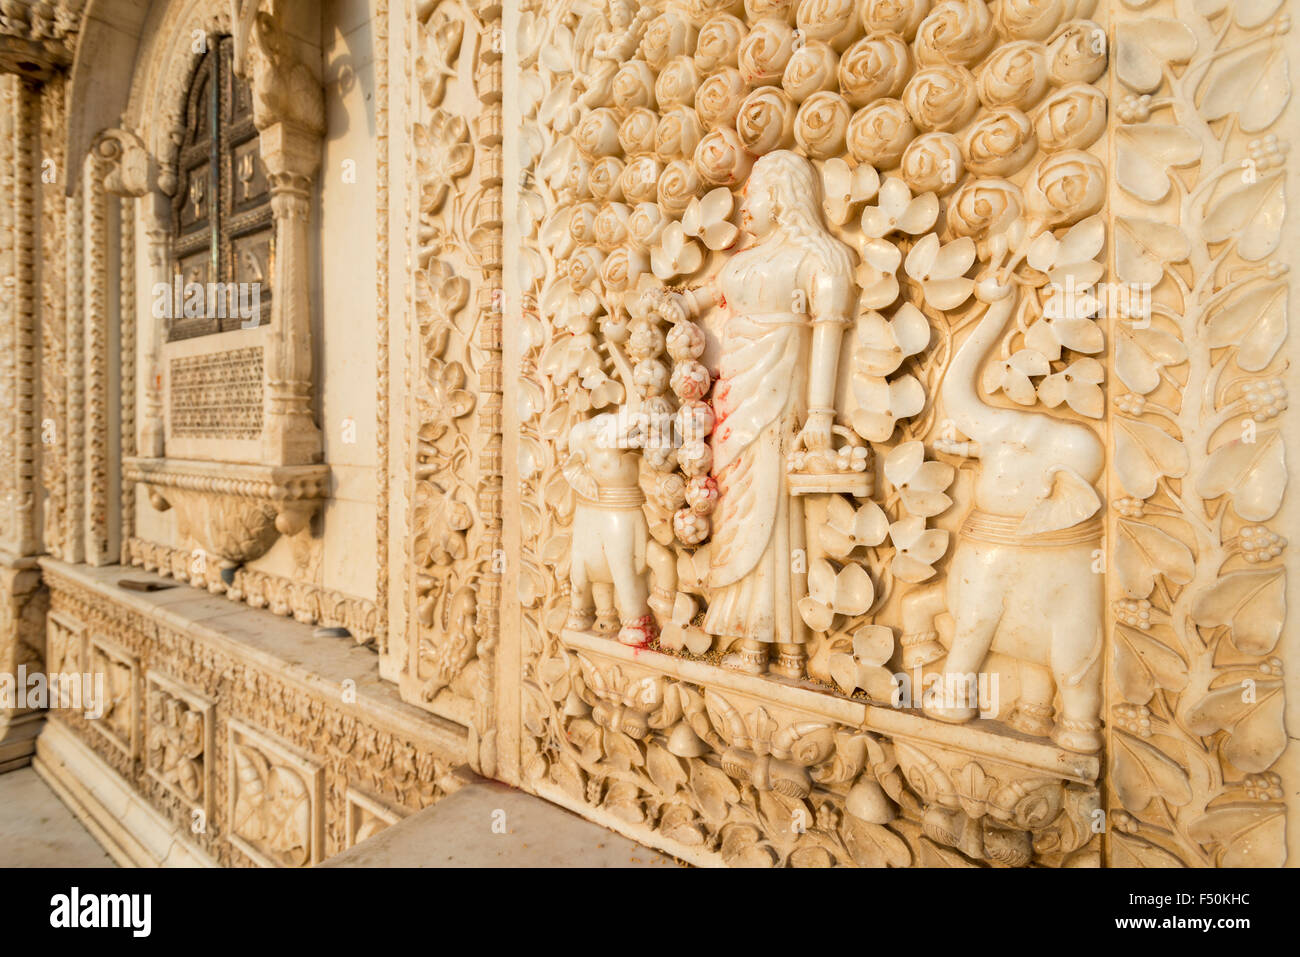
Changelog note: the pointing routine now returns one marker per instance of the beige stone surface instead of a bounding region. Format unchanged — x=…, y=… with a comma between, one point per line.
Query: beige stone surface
x=782, y=432
x=487, y=824
x=37, y=830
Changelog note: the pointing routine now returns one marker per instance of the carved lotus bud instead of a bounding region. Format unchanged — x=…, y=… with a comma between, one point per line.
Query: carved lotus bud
x=876, y=66
x=1072, y=118
x=650, y=376
x=721, y=158
x=694, y=420
x=702, y=494
x=1065, y=188
x=1015, y=75
x=610, y=227
x=686, y=341
x=866, y=801
x=879, y=133
x=1078, y=53
x=646, y=341
x=756, y=10
x=830, y=21
x=677, y=134
x=718, y=43
x=719, y=97
x=678, y=185
x=766, y=120
x=677, y=83
x=575, y=178
x=636, y=134
x=983, y=207
x=604, y=179
x=1037, y=19
x=597, y=134
x=932, y=163
x=644, y=225
x=695, y=458
x=941, y=98
x=765, y=51
x=669, y=490
x=690, y=528
x=894, y=16
x=622, y=268
x=705, y=10
x=584, y=266
x=999, y=143
x=822, y=124
x=640, y=180
x=813, y=67
x=691, y=381
x=668, y=35
x=956, y=32
x=633, y=86
x=582, y=223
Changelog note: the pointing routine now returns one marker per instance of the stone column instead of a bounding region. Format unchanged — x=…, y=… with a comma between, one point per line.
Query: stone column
x=21, y=600
x=291, y=152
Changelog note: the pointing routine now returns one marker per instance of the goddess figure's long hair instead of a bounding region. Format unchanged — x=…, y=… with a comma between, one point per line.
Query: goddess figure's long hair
x=796, y=192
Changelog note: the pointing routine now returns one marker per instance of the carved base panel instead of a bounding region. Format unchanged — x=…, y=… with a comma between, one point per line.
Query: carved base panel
x=720, y=767
x=235, y=729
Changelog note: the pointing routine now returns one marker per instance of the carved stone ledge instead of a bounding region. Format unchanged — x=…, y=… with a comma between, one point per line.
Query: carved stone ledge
x=233, y=510
x=988, y=792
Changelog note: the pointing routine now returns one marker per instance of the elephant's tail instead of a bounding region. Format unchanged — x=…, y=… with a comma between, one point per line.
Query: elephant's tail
x=1094, y=653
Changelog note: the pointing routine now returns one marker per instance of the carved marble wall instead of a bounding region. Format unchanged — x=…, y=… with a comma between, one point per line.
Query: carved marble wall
x=861, y=339
x=802, y=432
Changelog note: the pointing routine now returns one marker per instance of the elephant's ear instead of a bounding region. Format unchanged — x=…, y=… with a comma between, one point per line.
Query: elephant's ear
x=580, y=477
x=1070, y=498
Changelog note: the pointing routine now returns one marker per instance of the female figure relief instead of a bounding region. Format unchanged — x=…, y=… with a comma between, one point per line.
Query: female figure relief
x=789, y=297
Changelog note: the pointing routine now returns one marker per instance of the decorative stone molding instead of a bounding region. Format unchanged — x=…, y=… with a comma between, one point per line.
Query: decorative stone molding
x=19, y=163
x=276, y=798
x=288, y=109
x=455, y=519
x=38, y=37
x=181, y=745
x=23, y=605
x=367, y=741
x=1196, y=709
x=234, y=511
x=303, y=601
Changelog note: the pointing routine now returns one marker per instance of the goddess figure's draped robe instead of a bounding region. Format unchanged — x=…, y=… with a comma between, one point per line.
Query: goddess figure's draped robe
x=757, y=565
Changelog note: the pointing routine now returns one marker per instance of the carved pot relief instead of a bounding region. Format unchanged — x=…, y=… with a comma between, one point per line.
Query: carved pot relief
x=233, y=512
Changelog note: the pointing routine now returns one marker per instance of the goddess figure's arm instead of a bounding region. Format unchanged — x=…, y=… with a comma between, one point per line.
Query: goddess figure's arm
x=830, y=308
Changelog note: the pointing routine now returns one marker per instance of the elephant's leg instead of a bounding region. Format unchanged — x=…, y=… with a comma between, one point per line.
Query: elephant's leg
x=582, y=606
x=1033, y=711
x=977, y=622
x=1078, y=727
x=606, y=617
x=663, y=579
x=630, y=593
x=920, y=641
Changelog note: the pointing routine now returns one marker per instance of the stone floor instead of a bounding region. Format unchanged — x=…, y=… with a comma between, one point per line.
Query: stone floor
x=37, y=830
x=487, y=824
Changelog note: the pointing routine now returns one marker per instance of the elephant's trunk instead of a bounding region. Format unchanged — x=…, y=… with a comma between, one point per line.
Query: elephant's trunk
x=961, y=400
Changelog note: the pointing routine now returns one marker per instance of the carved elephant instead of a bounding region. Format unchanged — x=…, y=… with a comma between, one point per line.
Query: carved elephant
x=612, y=548
x=1024, y=580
